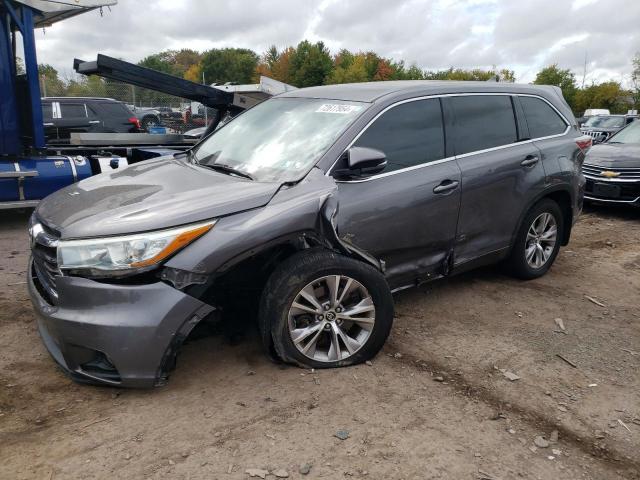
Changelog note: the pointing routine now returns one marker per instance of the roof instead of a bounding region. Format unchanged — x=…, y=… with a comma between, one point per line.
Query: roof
x=48, y=12
x=372, y=91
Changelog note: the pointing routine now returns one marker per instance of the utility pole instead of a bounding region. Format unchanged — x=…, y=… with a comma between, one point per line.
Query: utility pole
x=584, y=72
x=206, y=113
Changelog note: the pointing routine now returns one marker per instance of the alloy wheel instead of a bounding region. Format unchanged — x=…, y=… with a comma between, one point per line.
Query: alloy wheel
x=331, y=318
x=541, y=240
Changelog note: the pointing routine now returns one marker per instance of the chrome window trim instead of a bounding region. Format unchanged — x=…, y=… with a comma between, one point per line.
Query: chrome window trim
x=446, y=159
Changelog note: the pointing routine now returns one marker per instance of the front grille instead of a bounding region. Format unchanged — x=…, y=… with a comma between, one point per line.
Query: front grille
x=596, y=135
x=623, y=173
x=45, y=261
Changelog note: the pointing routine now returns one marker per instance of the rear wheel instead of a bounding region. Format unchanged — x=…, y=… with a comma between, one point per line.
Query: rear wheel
x=326, y=310
x=150, y=121
x=538, y=241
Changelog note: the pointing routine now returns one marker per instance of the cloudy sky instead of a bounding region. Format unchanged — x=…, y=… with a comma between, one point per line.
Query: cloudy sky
x=522, y=35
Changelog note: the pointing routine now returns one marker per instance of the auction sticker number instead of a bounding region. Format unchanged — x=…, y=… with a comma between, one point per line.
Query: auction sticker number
x=337, y=108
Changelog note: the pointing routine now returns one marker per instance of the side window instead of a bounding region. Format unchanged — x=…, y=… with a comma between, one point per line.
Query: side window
x=409, y=134
x=483, y=121
x=73, y=110
x=541, y=118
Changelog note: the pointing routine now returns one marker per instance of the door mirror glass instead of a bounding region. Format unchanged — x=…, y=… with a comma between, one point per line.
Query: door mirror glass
x=362, y=162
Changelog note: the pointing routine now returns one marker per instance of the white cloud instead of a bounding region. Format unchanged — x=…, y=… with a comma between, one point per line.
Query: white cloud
x=524, y=35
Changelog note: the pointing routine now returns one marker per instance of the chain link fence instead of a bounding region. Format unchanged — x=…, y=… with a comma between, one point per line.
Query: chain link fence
x=153, y=109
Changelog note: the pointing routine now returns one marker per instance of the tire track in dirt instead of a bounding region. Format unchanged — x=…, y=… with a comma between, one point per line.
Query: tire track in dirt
x=462, y=385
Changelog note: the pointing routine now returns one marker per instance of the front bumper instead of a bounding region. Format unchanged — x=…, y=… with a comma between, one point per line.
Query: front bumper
x=119, y=335
x=621, y=192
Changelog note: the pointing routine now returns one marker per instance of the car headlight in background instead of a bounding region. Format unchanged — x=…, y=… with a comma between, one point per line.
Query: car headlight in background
x=128, y=253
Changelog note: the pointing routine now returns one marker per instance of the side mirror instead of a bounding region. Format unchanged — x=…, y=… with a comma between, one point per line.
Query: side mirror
x=362, y=162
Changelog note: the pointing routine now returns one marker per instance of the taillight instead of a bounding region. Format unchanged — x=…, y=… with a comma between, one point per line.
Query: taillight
x=136, y=123
x=584, y=143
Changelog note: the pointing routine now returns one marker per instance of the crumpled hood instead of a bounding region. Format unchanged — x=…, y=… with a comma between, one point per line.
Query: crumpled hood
x=614, y=155
x=149, y=195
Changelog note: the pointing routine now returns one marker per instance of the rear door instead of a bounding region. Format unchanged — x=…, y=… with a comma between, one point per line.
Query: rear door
x=501, y=172
x=407, y=214
x=115, y=117
x=73, y=118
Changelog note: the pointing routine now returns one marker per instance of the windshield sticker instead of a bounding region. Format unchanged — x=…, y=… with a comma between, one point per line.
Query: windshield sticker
x=337, y=108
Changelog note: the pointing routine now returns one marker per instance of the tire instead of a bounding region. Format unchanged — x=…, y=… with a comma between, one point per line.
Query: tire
x=315, y=271
x=150, y=121
x=520, y=262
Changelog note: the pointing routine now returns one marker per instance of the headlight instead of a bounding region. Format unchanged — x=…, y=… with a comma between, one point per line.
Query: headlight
x=124, y=254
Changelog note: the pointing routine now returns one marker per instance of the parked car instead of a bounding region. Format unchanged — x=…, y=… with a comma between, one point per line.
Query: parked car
x=601, y=127
x=592, y=112
x=168, y=112
x=195, y=133
x=612, y=168
x=319, y=204
x=148, y=117
x=65, y=115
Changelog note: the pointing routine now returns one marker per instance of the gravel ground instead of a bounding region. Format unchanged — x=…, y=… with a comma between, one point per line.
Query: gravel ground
x=434, y=404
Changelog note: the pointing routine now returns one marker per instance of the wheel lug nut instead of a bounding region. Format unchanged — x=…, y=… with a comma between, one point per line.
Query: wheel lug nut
x=327, y=327
x=320, y=317
x=326, y=307
x=338, y=310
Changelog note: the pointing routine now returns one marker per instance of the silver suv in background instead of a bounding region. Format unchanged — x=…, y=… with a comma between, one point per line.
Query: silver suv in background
x=602, y=127
x=317, y=204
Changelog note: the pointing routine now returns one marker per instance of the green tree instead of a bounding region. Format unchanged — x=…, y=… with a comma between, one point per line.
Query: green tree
x=222, y=65
x=19, y=66
x=609, y=95
x=350, y=69
x=159, y=63
x=310, y=64
x=50, y=83
x=565, y=79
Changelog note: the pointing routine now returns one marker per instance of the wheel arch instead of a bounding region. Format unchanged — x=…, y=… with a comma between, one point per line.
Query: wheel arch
x=560, y=194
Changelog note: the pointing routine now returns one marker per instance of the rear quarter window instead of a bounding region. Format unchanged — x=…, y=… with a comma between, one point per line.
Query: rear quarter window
x=482, y=122
x=543, y=121
x=72, y=110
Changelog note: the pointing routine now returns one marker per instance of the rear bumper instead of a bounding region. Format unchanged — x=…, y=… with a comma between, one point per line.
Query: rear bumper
x=119, y=335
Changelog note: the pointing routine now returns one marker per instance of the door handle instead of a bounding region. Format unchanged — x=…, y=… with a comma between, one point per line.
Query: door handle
x=446, y=186
x=530, y=160
x=94, y=121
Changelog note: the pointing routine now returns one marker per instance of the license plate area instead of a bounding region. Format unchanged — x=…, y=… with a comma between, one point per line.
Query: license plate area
x=606, y=190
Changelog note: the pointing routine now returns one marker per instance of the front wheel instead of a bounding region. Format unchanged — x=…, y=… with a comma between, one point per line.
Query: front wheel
x=326, y=310
x=538, y=241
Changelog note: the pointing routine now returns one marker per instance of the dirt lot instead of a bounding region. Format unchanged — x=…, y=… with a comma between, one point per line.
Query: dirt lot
x=228, y=409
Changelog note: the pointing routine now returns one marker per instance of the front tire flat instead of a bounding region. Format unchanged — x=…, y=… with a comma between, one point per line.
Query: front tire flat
x=326, y=310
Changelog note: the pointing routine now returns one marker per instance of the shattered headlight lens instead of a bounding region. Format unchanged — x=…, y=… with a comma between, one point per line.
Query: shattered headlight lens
x=120, y=254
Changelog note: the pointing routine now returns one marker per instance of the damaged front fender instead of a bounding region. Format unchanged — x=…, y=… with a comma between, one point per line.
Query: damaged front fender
x=300, y=216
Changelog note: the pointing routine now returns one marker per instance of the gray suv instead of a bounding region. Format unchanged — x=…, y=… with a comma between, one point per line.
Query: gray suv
x=318, y=204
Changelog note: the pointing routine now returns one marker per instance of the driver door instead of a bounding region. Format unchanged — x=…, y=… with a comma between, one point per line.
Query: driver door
x=407, y=214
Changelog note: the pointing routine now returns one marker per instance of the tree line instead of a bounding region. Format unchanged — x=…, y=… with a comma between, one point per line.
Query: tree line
x=310, y=64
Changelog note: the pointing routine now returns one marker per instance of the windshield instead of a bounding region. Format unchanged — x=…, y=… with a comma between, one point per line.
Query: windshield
x=279, y=139
x=605, y=122
x=631, y=134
